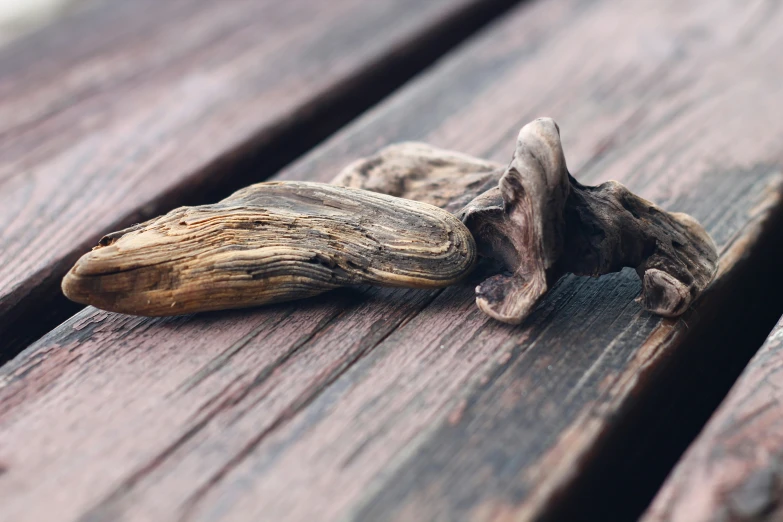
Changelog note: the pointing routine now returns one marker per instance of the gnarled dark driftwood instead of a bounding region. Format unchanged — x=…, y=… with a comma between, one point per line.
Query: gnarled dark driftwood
x=271, y=242
x=540, y=223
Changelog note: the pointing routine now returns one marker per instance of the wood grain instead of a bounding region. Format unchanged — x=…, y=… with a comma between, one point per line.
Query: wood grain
x=391, y=404
x=268, y=243
x=733, y=472
x=128, y=109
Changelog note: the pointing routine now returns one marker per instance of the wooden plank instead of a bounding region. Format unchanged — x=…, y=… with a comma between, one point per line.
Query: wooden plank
x=381, y=404
x=127, y=109
x=733, y=470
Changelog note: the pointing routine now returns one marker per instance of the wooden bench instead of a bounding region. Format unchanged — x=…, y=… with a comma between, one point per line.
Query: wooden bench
x=374, y=404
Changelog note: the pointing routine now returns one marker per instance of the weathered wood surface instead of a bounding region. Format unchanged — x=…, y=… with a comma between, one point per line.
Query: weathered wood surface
x=128, y=108
x=401, y=404
x=733, y=472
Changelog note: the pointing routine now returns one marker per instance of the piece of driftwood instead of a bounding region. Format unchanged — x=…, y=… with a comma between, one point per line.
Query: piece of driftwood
x=271, y=242
x=541, y=224
x=278, y=242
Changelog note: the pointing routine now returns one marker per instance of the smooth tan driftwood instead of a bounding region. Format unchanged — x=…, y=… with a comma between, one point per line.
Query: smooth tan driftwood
x=540, y=223
x=271, y=242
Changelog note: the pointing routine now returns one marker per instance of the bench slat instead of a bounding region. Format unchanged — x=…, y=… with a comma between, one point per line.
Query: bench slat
x=733, y=470
x=389, y=404
x=128, y=109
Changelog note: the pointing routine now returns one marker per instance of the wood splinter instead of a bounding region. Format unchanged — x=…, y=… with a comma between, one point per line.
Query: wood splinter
x=271, y=242
x=540, y=223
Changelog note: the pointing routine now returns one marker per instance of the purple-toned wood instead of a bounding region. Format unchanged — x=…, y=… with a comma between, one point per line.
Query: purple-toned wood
x=386, y=404
x=733, y=472
x=130, y=108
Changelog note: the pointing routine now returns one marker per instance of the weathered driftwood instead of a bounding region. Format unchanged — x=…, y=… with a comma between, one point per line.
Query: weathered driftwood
x=540, y=223
x=280, y=241
x=271, y=242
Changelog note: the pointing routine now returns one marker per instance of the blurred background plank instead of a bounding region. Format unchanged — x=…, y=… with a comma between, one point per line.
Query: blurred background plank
x=21, y=17
x=377, y=404
x=734, y=470
x=123, y=110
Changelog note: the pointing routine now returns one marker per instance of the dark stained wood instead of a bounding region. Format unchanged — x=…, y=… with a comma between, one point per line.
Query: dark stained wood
x=127, y=109
x=733, y=472
x=414, y=405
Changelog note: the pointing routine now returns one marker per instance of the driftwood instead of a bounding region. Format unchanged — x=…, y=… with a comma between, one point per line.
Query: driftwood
x=271, y=242
x=281, y=241
x=540, y=223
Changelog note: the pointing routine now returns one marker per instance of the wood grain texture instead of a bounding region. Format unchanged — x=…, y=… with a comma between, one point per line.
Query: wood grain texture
x=402, y=404
x=128, y=109
x=733, y=472
x=268, y=243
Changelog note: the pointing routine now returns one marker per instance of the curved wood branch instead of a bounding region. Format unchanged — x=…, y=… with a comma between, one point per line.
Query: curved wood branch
x=271, y=242
x=540, y=223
